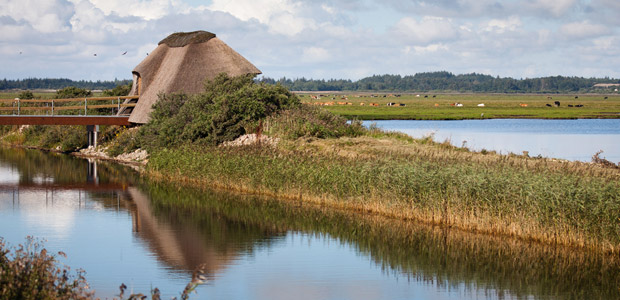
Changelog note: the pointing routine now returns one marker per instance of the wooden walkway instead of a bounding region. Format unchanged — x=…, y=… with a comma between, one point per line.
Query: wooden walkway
x=49, y=109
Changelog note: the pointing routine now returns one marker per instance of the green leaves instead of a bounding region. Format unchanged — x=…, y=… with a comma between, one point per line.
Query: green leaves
x=228, y=108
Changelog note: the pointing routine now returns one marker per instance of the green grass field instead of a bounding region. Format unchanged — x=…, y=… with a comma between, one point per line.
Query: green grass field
x=37, y=94
x=495, y=106
x=440, y=108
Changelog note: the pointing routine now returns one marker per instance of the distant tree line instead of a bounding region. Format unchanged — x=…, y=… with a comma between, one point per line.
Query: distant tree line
x=447, y=82
x=441, y=81
x=59, y=83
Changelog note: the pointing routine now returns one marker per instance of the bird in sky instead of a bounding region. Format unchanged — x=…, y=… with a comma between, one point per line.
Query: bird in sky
x=95, y=54
x=124, y=53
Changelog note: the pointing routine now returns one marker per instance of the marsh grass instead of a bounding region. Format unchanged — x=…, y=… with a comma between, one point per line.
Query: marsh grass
x=555, y=202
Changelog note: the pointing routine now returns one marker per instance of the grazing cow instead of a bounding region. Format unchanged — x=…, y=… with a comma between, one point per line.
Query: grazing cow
x=459, y=105
x=576, y=97
x=391, y=104
x=401, y=104
x=579, y=105
x=481, y=105
x=606, y=98
x=523, y=104
x=362, y=103
x=436, y=104
x=557, y=103
x=570, y=105
x=425, y=96
x=434, y=96
x=548, y=105
x=549, y=98
x=374, y=104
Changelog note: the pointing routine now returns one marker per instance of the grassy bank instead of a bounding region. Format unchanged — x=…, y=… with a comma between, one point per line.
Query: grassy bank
x=566, y=203
x=439, y=106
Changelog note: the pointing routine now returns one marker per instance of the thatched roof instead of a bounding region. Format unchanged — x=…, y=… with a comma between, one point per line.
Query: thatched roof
x=181, y=63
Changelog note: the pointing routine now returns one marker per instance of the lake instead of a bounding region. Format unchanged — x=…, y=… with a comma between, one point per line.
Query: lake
x=575, y=140
x=121, y=228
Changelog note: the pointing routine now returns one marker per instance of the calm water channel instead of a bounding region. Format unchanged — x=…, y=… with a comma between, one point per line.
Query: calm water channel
x=121, y=229
x=566, y=139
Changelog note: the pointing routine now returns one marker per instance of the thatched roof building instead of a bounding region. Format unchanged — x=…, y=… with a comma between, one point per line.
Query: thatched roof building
x=181, y=63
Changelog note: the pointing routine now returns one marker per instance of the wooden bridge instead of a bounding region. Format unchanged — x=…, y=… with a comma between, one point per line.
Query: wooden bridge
x=50, y=112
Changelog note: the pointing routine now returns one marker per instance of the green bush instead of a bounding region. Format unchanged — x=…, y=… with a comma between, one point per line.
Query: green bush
x=124, y=141
x=72, y=92
x=228, y=108
x=311, y=121
x=26, y=95
x=68, y=138
x=119, y=90
x=29, y=272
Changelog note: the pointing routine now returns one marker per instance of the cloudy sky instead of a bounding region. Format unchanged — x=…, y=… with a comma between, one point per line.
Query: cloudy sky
x=319, y=39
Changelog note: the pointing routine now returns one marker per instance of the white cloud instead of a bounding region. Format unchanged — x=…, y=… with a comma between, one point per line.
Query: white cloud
x=425, y=31
x=46, y=16
x=315, y=54
x=501, y=26
x=281, y=16
x=584, y=29
x=556, y=7
x=146, y=9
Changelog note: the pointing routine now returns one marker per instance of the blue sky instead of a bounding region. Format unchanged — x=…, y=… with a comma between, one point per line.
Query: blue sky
x=318, y=38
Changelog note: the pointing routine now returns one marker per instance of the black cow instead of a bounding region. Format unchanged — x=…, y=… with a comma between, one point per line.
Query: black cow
x=557, y=103
x=548, y=105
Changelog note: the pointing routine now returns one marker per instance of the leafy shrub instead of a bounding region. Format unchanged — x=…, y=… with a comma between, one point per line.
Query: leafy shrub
x=68, y=138
x=29, y=272
x=124, y=141
x=311, y=121
x=119, y=90
x=228, y=108
x=26, y=95
x=72, y=92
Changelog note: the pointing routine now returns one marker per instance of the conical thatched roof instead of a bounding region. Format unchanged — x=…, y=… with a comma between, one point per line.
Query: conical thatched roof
x=181, y=63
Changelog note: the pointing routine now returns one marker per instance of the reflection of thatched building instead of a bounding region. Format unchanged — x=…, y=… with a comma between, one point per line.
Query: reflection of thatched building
x=181, y=63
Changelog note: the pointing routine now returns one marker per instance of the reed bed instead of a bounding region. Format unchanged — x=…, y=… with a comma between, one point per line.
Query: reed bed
x=571, y=204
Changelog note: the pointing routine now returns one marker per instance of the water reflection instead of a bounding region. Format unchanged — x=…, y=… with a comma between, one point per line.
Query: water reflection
x=455, y=260
x=123, y=229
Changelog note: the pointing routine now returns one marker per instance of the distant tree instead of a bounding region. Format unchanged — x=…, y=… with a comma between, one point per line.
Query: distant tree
x=119, y=90
x=26, y=95
x=72, y=92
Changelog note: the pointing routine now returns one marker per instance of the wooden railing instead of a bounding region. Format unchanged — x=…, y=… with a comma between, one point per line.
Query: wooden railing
x=54, y=105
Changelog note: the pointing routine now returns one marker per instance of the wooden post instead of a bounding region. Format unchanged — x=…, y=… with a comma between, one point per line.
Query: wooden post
x=52, y=107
